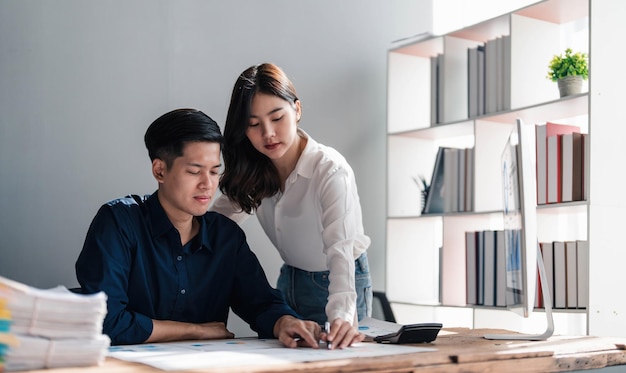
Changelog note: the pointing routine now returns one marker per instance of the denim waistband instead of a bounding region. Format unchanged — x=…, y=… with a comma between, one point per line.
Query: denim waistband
x=360, y=264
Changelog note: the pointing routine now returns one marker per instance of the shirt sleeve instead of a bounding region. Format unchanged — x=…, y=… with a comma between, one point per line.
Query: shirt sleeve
x=224, y=206
x=253, y=298
x=340, y=211
x=104, y=264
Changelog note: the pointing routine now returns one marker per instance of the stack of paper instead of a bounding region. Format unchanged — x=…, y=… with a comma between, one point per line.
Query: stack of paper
x=6, y=339
x=54, y=327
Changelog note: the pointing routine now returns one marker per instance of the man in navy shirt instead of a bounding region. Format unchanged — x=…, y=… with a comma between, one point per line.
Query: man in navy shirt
x=170, y=269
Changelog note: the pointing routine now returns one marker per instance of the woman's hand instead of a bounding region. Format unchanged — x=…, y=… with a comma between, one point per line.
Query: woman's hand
x=343, y=334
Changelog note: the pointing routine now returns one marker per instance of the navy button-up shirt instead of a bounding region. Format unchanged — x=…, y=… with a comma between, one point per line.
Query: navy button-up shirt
x=133, y=253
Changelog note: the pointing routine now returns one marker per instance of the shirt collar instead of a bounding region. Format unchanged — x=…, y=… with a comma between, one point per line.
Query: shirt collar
x=306, y=164
x=161, y=224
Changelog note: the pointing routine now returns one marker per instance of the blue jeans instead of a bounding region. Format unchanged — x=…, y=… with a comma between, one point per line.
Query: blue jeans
x=307, y=292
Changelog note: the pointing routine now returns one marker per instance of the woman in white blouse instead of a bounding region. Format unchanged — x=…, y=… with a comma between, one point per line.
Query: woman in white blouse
x=305, y=197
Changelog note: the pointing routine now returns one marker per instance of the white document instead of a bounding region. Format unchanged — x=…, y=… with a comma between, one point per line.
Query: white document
x=244, y=352
x=373, y=327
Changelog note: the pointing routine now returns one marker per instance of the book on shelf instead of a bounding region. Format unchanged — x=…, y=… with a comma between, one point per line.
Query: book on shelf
x=499, y=74
x=441, y=110
x=472, y=82
x=461, y=181
x=542, y=133
x=451, y=187
x=572, y=154
x=500, y=269
x=434, y=199
x=554, y=168
x=434, y=86
x=571, y=272
x=485, y=261
x=491, y=83
x=489, y=77
x=547, y=254
x=471, y=265
x=582, y=265
x=53, y=327
x=469, y=179
x=489, y=268
x=481, y=80
x=450, y=179
x=480, y=271
x=506, y=72
x=560, y=275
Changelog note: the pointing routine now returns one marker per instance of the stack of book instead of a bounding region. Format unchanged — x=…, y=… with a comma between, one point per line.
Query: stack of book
x=54, y=327
x=451, y=188
x=561, y=164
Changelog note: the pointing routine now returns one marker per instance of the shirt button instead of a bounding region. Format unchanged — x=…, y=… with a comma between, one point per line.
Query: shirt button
x=179, y=258
x=182, y=291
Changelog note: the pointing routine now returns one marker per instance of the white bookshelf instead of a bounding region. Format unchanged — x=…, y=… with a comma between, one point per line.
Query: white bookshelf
x=607, y=311
x=415, y=242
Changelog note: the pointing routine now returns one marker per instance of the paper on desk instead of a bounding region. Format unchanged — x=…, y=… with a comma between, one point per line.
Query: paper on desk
x=373, y=327
x=244, y=352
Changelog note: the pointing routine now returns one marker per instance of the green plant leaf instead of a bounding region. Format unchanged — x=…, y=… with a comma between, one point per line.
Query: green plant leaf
x=568, y=64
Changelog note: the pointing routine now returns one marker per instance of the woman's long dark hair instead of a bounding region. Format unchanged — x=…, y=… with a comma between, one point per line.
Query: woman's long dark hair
x=249, y=176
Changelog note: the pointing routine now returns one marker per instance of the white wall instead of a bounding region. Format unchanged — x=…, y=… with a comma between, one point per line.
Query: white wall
x=80, y=81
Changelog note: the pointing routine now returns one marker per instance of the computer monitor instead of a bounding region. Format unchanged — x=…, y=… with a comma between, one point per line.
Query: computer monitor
x=523, y=257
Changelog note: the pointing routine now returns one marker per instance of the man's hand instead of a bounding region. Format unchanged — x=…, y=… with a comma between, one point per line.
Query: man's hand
x=343, y=334
x=293, y=332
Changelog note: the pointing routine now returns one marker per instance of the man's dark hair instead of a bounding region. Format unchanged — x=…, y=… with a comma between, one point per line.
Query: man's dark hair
x=166, y=137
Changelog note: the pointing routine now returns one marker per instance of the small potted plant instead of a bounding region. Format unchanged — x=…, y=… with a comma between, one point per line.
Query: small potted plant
x=569, y=71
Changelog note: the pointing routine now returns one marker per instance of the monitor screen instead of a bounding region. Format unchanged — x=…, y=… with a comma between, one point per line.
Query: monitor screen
x=520, y=230
x=519, y=193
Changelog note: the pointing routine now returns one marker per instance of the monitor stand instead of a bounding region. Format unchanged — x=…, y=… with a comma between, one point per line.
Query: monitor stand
x=547, y=301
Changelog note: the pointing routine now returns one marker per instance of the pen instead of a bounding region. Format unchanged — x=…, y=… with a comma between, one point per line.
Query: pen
x=327, y=330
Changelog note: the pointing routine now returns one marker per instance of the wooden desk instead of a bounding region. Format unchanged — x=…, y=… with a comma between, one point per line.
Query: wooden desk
x=463, y=351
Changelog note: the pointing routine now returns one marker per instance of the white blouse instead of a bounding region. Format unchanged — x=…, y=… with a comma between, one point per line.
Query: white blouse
x=316, y=223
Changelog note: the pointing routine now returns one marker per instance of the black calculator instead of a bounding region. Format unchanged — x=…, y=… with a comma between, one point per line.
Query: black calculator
x=412, y=333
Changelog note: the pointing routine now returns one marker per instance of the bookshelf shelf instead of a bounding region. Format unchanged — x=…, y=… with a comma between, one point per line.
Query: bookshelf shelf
x=426, y=253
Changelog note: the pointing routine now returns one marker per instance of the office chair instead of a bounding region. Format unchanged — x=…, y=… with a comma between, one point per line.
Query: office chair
x=381, y=308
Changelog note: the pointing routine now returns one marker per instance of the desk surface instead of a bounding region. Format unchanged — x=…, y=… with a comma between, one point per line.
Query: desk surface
x=464, y=350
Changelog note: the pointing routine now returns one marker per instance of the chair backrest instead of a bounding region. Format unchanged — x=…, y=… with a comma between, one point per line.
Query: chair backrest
x=381, y=308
